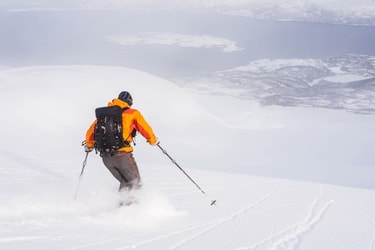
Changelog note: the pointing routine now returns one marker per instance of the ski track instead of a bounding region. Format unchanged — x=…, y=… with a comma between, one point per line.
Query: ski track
x=290, y=237
x=221, y=222
x=367, y=214
x=204, y=228
x=372, y=219
x=165, y=236
x=92, y=244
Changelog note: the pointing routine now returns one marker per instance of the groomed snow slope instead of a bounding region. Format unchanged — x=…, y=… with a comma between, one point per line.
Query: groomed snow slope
x=46, y=111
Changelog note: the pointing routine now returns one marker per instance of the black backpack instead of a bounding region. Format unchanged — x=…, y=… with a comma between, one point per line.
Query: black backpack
x=108, y=133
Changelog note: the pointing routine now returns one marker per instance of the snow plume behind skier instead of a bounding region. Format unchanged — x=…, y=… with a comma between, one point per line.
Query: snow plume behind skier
x=120, y=160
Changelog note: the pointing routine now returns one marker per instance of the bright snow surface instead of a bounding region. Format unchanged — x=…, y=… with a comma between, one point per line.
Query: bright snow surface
x=46, y=111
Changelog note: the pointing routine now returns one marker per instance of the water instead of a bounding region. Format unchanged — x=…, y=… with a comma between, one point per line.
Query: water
x=79, y=37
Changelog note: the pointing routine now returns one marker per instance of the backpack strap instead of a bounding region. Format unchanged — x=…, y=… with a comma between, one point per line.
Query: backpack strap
x=133, y=133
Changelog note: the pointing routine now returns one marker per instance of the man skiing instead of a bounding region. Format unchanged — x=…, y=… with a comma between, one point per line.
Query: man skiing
x=121, y=162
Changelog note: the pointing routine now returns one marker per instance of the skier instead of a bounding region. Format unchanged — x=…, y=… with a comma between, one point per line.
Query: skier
x=121, y=162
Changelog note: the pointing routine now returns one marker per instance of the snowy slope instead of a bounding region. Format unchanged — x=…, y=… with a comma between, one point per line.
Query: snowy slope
x=46, y=112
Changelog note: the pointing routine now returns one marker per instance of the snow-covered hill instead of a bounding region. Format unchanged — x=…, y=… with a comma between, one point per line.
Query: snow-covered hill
x=46, y=111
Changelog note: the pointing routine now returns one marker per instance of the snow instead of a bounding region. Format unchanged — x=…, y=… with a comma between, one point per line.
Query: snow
x=345, y=78
x=182, y=40
x=268, y=65
x=47, y=109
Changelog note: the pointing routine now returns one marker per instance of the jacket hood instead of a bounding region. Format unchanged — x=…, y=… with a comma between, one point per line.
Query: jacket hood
x=118, y=102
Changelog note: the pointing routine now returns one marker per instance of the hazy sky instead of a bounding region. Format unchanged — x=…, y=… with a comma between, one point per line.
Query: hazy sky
x=196, y=4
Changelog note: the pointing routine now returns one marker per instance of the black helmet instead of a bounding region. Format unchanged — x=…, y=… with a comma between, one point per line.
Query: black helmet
x=126, y=97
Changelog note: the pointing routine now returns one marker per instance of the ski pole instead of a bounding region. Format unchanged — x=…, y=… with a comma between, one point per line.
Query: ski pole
x=213, y=202
x=80, y=176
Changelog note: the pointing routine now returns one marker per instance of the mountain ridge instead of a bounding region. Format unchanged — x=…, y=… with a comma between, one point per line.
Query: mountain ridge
x=346, y=82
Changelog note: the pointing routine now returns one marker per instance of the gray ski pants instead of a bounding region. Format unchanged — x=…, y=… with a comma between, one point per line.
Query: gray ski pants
x=124, y=168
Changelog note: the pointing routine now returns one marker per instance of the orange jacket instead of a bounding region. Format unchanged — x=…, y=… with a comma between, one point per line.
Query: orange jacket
x=131, y=119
